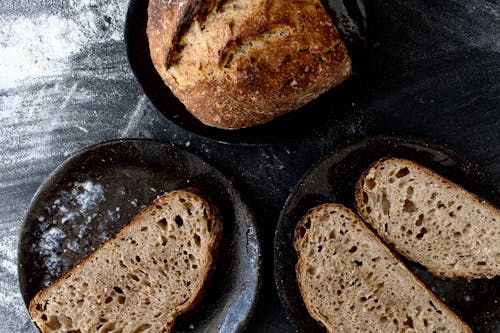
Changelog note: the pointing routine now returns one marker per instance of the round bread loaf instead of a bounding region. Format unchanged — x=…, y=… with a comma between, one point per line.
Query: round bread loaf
x=240, y=63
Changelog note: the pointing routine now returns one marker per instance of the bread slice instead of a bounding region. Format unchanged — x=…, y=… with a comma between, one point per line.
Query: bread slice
x=154, y=269
x=430, y=220
x=351, y=282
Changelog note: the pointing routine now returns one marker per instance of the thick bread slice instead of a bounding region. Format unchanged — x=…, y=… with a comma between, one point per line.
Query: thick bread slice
x=351, y=282
x=241, y=63
x=430, y=220
x=154, y=269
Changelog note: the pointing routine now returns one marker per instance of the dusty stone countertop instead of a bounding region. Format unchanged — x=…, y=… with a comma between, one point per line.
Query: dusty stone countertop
x=432, y=72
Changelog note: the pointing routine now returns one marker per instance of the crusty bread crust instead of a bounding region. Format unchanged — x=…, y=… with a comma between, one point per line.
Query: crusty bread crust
x=241, y=63
x=212, y=214
x=170, y=19
x=436, y=267
x=300, y=241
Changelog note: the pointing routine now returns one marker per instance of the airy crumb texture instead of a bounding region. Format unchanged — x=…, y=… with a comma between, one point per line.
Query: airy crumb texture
x=430, y=220
x=351, y=282
x=152, y=270
x=241, y=63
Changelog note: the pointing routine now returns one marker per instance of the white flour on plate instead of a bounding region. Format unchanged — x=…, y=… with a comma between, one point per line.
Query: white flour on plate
x=87, y=194
x=70, y=210
x=49, y=244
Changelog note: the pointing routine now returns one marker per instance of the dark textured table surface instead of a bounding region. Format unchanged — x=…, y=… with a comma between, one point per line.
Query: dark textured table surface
x=432, y=72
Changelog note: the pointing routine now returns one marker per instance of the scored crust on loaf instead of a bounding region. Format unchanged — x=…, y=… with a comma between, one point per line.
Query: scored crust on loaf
x=154, y=269
x=351, y=282
x=430, y=220
x=239, y=63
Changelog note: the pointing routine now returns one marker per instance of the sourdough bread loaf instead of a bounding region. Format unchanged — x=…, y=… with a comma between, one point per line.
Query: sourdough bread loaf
x=351, y=282
x=241, y=63
x=430, y=220
x=154, y=269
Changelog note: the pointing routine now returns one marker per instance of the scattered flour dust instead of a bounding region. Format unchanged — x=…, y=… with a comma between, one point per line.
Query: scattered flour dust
x=87, y=194
x=48, y=246
x=10, y=302
x=39, y=46
x=68, y=212
x=36, y=47
x=37, y=81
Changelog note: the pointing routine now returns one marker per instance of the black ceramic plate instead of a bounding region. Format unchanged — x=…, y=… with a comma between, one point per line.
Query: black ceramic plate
x=91, y=195
x=333, y=179
x=349, y=16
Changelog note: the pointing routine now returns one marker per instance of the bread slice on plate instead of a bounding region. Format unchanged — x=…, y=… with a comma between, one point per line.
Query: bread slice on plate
x=351, y=282
x=430, y=220
x=154, y=269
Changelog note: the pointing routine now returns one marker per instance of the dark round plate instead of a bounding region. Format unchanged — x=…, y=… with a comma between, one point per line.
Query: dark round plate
x=91, y=195
x=349, y=16
x=333, y=179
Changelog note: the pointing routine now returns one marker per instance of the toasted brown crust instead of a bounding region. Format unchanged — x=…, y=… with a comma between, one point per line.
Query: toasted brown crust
x=296, y=243
x=170, y=19
x=362, y=210
x=298, y=234
x=274, y=61
x=213, y=214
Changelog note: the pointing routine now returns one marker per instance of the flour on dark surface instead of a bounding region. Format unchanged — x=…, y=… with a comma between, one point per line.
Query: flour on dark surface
x=55, y=101
x=36, y=47
x=48, y=247
x=70, y=214
x=58, y=94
